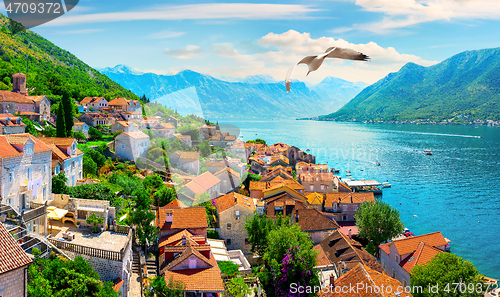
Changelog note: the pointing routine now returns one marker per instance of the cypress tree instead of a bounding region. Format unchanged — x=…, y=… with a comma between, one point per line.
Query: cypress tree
x=60, y=124
x=67, y=103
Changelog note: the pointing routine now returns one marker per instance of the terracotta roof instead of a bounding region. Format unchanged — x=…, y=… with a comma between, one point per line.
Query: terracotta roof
x=321, y=258
x=203, y=183
x=199, y=279
x=183, y=218
x=163, y=126
x=118, y=101
x=36, y=98
x=228, y=170
x=315, y=199
x=348, y=198
x=12, y=256
x=176, y=203
x=215, y=164
x=362, y=274
x=88, y=100
x=410, y=244
x=29, y=113
x=59, y=147
x=8, y=96
x=188, y=155
x=12, y=122
x=347, y=253
x=227, y=201
x=421, y=256
x=10, y=143
x=173, y=238
x=311, y=220
x=136, y=135
x=126, y=123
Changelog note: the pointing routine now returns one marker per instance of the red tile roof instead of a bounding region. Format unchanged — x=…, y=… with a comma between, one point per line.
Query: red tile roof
x=88, y=100
x=421, y=256
x=203, y=182
x=176, y=203
x=183, y=218
x=8, y=144
x=188, y=155
x=118, y=101
x=362, y=274
x=410, y=244
x=136, y=135
x=227, y=201
x=311, y=220
x=8, y=96
x=12, y=256
x=348, y=198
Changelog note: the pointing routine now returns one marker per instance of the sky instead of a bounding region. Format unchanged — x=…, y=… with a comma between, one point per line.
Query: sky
x=229, y=39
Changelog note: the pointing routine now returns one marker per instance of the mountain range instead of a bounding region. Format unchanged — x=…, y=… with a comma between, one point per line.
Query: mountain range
x=258, y=96
x=461, y=89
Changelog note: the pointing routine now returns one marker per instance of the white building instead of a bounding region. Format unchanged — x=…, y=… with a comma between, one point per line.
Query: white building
x=69, y=158
x=131, y=145
x=26, y=170
x=124, y=126
x=94, y=103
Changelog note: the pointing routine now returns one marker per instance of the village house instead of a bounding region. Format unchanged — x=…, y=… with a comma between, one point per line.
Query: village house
x=124, y=126
x=172, y=220
x=81, y=127
x=367, y=279
x=222, y=140
x=204, y=183
x=149, y=122
x=42, y=107
x=94, y=103
x=186, y=161
x=93, y=119
x=229, y=180
x=131, y=145
x=321, y=182
x=119, y=104
x=294, y=155
x=185, y=139
x=345, y=205
x=303, y=167
x=215, y=166
x=315, y=200
x=259, y=188
x=233, y=210
x=398, y=257
x=14, y=263
x=163, y=130
x=283, y=204
x=130, y=116
x=11, y=124
x=172, y=120
x=206, y=132
x=237, y=165
x=16, y=100
x=26, y=170
x=68, y=157
x=345, y=253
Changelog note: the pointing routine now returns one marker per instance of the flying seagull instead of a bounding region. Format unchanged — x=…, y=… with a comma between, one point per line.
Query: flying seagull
x=314, y=62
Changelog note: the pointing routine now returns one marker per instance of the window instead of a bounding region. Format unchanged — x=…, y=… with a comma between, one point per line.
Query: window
x=228, y=241
x=383, y=264
x=397, y=258
x=44, y=168
x=44, y=192
x=123, y=146
x=344, y=218
x=311, y=187
x=355, y=208
x=192, y=263
x=29, y=149
x=237, y=215
x=11, y=175
x=322, y=187
x=344, y=207
x=405, y=283
x=393, y=273
x=29, y=173
x=228, y=226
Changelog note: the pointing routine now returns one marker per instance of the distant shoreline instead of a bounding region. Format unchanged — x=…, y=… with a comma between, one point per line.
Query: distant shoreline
x=494, y=124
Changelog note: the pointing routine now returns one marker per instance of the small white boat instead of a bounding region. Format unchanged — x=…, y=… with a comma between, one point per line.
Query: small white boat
x=386, y=185
x=427, y=152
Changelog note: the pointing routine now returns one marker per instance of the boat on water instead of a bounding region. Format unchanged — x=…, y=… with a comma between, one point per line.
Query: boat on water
x=386, y=185
x=335, y=170
x=377, y=163
x=427, y=152
x=307, y=150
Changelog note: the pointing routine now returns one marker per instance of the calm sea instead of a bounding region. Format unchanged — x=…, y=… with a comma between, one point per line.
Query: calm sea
x=455, y=191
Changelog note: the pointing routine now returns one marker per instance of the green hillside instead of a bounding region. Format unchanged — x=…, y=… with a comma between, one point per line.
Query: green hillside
x=52, y=70
x=461, y=89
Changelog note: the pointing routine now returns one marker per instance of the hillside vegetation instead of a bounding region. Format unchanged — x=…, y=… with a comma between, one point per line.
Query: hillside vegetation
x=461, y=89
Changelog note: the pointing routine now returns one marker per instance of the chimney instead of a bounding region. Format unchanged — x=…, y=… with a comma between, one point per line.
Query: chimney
x=350, y=234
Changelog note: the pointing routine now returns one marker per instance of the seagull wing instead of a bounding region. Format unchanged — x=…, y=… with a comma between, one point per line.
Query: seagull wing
x=288, y=80
x=346, y=53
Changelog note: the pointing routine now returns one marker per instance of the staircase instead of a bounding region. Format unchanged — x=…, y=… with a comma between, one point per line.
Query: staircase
x=136, y=265
x=152, y=266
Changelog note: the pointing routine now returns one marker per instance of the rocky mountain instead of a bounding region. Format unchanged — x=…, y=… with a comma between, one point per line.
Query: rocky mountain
x=461, y=89
x=258, y=96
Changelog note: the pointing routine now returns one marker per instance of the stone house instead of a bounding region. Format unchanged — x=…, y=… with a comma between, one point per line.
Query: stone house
x=11, y=124
x=206, y=132
x=282, y=204
x=398, y=257
x=204, y=183
x=26, y=170
x=94, y=103
x=222, y=140
x=345, y=205
x=131, y=145
x=215, y=166
x=233, y=210
x=237, y=165
x=163, y=130
x=229, y=180
x=124, y=126
x=149, y=122
x=294, y=155
x=118, y=104
x=172, y=120
x=14, y=263
x=42, y=107
x=93, y=119
x=303, y=167
x=321, y=182
x=81, y=127
x=185, y=139
x=130, y=115
x=69, y=157
x=186, y=161
x=314, y=223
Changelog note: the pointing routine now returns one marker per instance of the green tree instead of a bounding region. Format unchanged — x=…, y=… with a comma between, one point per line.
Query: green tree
x=59, y=184
x=93, y=191
x=378, y=222
x=94, y=220
x=228, y=268
x=60, y=278
x=443, y=271
x=237, y=287
x=60, y=122
x=158, y=288
x=143, y=217
x=95, y=134
x=204, y=148
x=165, y=196
x=89, y=166
x=49, y=131
x=289, y=258
x=68, y=105
x=258, y=229
x=79, y=135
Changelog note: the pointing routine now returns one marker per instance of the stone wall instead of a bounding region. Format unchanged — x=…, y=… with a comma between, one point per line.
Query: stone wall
x=13, y=283
x=238, y=233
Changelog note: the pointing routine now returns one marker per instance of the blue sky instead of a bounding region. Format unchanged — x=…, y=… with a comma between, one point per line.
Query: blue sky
x=234, y=39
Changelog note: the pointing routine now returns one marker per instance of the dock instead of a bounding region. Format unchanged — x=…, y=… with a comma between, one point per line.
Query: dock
x=370, y=186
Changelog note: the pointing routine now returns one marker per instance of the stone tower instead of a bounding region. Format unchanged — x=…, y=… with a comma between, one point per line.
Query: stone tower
x=19, y=83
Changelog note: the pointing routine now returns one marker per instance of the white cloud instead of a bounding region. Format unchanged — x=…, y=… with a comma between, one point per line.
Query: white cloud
x=208, y=11
x=287, y=48
x=186, y=52
x=405, y=13
x=165, y=34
